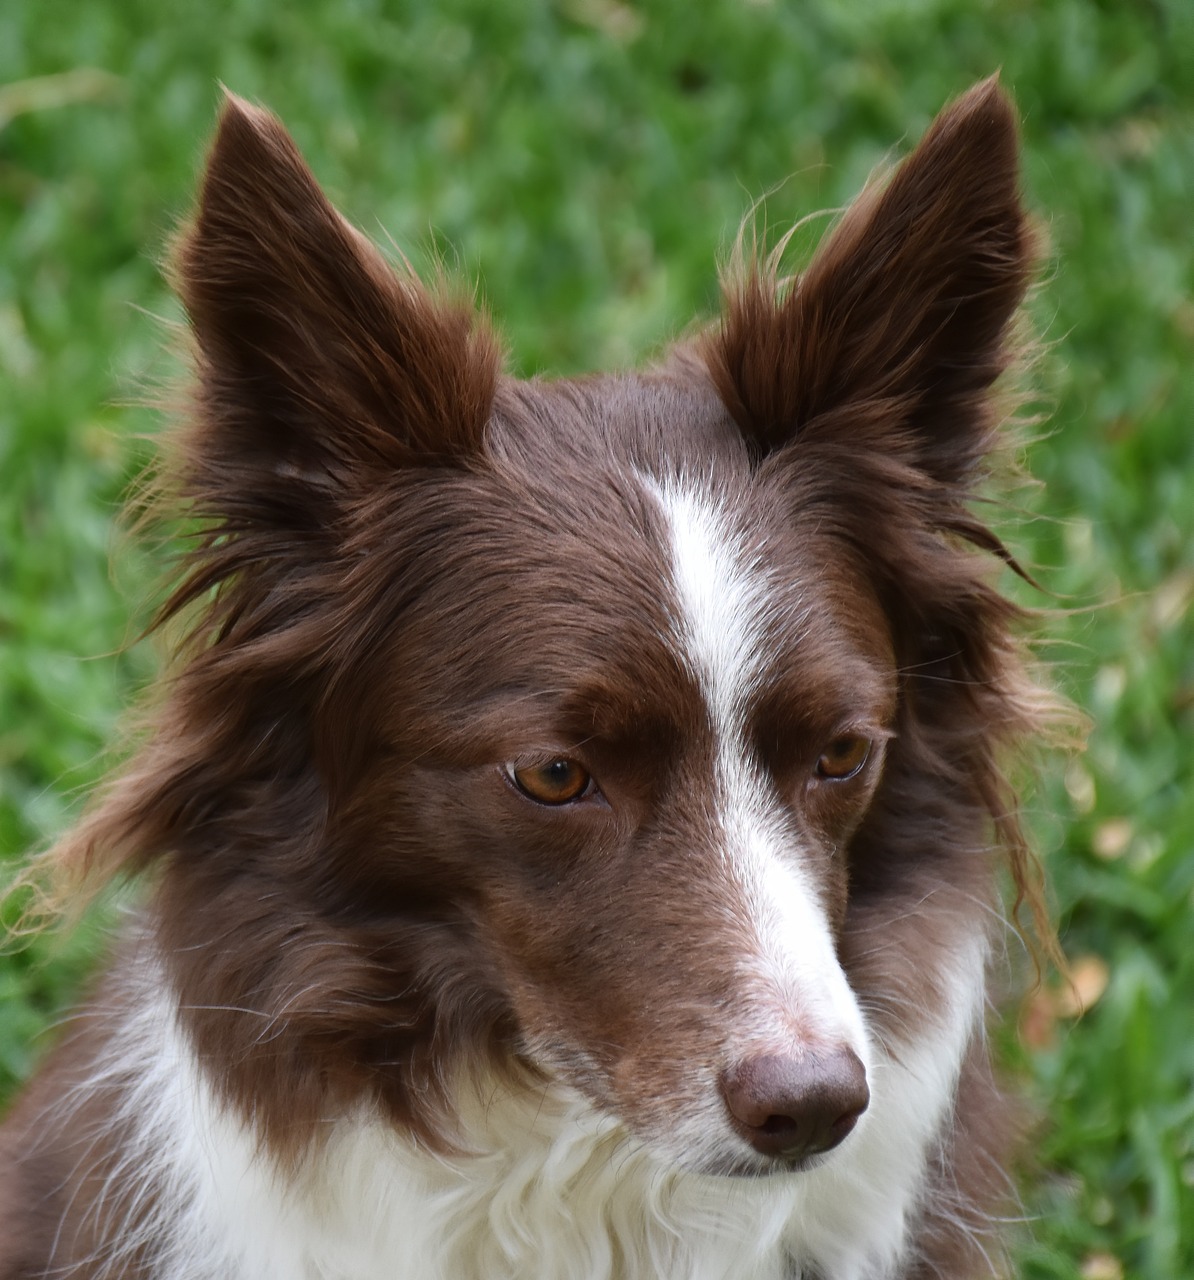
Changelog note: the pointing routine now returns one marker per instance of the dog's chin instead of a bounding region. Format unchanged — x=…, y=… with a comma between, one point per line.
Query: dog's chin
x=758, y=1167
x=730, y=1159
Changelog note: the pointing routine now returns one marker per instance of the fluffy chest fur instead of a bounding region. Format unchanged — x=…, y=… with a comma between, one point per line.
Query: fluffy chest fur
x=574, y=815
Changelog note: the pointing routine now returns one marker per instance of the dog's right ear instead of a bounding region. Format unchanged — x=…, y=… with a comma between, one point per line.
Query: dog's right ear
x=319, y=364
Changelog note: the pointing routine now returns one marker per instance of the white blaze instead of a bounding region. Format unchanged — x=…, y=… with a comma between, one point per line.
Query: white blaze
x=793, y=981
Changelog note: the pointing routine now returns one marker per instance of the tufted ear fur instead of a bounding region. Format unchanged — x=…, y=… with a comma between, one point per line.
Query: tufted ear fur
x=318, y=362
x=897, y=329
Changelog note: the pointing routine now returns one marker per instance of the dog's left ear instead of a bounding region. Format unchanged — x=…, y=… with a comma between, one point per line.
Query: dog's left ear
x=895, y=332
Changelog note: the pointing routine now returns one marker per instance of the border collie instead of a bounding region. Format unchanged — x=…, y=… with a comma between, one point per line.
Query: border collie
x=573, y=819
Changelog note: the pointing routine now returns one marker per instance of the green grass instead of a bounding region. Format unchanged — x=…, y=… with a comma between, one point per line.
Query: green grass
x=585, y=161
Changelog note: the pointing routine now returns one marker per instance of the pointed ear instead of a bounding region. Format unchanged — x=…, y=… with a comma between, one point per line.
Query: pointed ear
x=899, y=326
x=318, y=362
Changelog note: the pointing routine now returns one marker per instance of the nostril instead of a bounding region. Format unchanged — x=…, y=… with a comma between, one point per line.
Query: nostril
x=777, y=1124
x=791, y=1106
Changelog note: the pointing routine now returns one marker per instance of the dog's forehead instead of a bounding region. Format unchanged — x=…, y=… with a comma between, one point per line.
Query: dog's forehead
x=622, y=544
x=640, y=482
x=654, y=423
x=651, y=472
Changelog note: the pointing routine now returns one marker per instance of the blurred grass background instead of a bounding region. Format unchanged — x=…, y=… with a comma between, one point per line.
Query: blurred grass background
x=585, y=161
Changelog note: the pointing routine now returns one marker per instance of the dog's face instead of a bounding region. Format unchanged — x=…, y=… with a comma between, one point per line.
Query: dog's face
x=624, y=732
x=617, y=729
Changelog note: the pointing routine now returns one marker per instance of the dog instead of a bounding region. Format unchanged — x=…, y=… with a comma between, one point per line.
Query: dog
x=573, y=820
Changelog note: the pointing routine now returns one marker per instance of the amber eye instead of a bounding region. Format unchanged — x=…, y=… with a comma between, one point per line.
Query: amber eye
x=844, y=757
x=559, y=782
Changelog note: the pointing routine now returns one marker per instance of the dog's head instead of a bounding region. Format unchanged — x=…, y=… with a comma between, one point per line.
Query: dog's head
x=636, y=731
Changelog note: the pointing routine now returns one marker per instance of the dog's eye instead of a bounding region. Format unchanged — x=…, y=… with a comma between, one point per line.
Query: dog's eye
x=844, y=757
x=559, y=782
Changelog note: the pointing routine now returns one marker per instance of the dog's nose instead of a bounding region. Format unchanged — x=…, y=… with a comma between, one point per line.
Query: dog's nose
x=796, y=1107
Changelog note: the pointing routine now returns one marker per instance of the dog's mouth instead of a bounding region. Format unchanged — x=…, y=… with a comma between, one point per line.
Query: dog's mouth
x=760, y=1167
x=804, y=1154
x=795, y=1150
